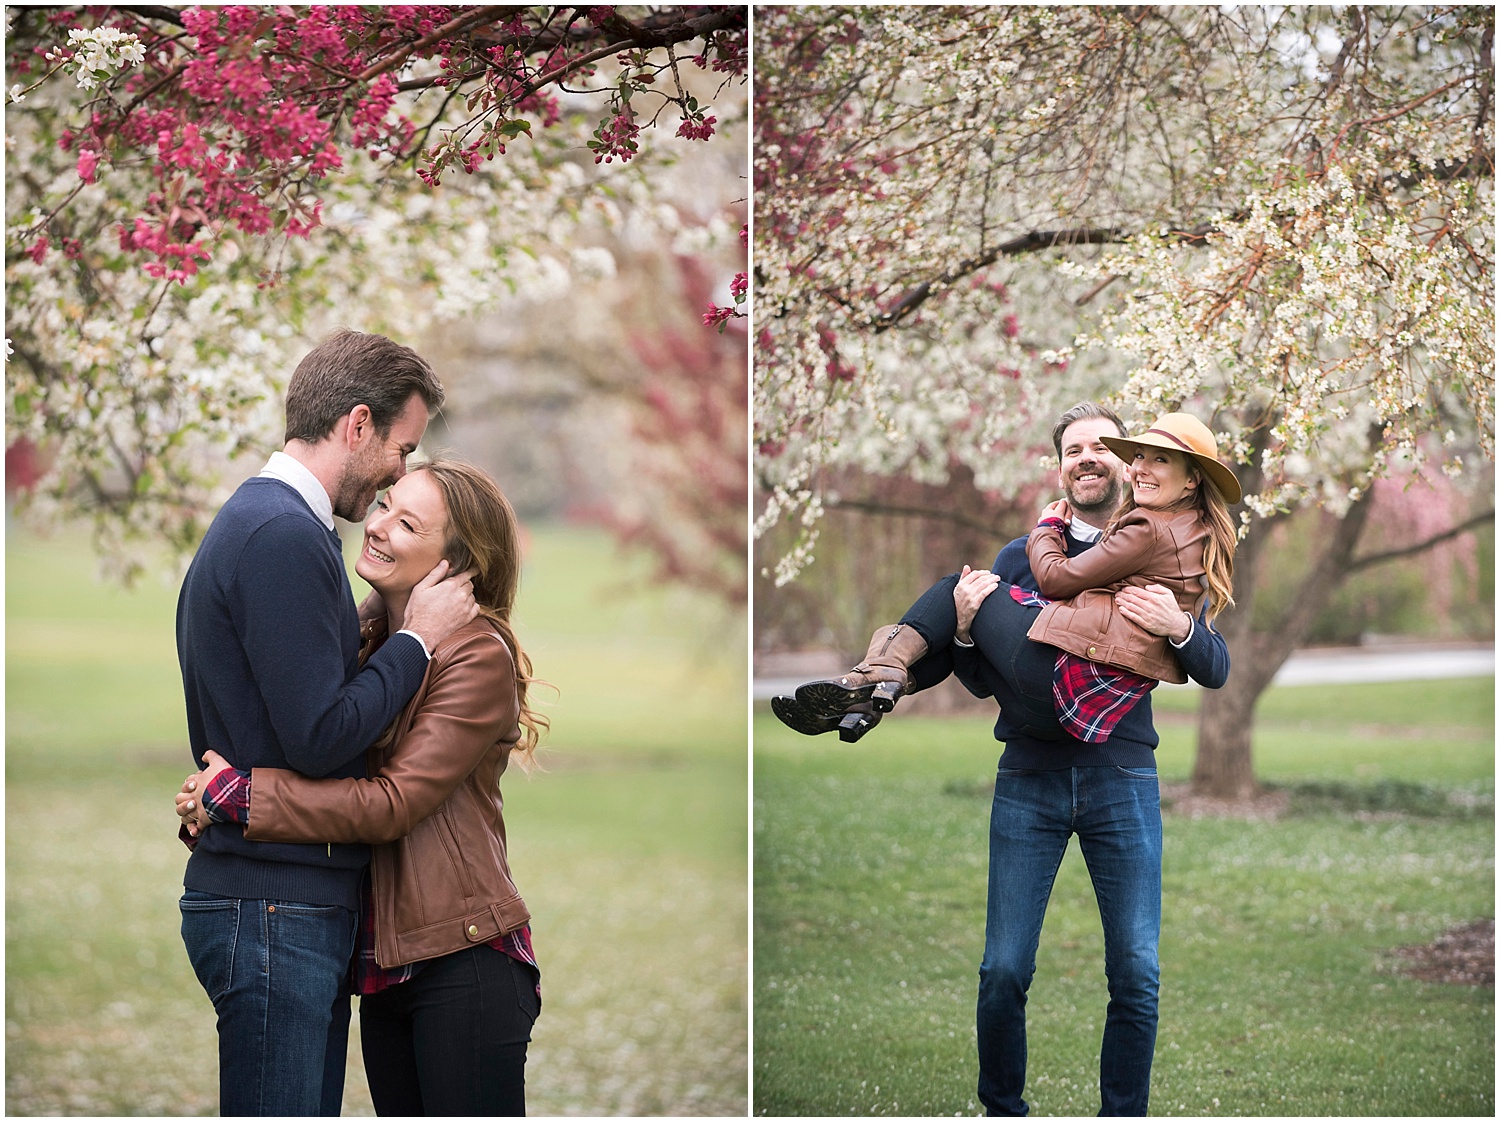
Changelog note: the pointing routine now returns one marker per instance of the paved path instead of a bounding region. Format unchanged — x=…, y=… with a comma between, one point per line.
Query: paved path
x=1322, y=666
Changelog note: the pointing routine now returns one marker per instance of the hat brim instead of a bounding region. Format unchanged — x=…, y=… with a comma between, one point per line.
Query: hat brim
x=1220, y=476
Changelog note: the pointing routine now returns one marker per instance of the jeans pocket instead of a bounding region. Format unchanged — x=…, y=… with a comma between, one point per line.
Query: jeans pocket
x=1136, y=772
x=527, y=980
x=210, y=930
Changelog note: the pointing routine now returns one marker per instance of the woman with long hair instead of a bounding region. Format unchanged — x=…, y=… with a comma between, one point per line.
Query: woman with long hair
x=448, y=982
x=1076, y=663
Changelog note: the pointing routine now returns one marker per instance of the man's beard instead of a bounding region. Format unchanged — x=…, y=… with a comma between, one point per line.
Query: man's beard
x=1106, y=502
x=357, y=488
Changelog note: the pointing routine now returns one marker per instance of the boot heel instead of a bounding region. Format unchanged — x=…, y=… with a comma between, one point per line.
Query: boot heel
x=885, y=695
x=855, y=725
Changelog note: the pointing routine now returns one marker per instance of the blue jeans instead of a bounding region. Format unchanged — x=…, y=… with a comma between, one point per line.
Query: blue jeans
x=1116, y=813
x=277, y=973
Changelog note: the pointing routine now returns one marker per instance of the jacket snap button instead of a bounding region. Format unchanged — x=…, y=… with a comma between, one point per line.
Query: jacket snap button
x=1093, y=651
x=473, y=931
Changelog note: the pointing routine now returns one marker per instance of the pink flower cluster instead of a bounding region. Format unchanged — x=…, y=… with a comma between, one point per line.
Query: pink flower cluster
x=717, y=316
x=616, y=138
x=173, y=260
x=249, y=123
x=697, y=128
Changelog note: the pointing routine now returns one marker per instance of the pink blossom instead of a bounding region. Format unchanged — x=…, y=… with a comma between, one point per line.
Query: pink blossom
x=38, y=250
x=697, y=129
x=88, y=164
x=717, y=316
x=617, y=138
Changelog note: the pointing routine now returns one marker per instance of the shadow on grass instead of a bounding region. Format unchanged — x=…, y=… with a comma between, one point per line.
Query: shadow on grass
x=1387, y=796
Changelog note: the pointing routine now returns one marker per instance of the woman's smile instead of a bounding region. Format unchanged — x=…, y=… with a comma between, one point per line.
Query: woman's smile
x=405, y=536
x=1159, y=477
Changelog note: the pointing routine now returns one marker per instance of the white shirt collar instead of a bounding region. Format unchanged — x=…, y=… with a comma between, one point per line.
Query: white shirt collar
x=1082, y=531
x=296, y=476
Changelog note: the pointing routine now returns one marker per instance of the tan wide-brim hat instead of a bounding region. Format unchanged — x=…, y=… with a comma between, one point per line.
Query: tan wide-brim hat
x=1181, y=432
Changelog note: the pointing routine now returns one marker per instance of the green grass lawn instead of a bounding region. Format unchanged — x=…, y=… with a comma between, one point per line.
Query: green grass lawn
x=630, y=847
x=1280, y=989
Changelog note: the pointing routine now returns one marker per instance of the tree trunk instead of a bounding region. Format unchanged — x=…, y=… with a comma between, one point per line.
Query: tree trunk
x=1226, y=719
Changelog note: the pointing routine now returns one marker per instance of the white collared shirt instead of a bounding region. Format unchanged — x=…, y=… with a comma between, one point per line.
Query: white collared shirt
x=299, y=478
x=1082, y=531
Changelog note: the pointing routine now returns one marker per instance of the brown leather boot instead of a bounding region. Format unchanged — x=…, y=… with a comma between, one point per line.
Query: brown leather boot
x=879, y=680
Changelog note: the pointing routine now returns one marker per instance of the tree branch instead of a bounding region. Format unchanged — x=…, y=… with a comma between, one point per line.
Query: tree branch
x=1026, y=243
x=1437, y=539
x=155, y=11
x=871, y=506
x=469, y=19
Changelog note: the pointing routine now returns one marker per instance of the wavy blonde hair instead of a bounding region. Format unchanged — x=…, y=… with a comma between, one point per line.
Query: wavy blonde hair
x=485, y=535
x=1218, y=551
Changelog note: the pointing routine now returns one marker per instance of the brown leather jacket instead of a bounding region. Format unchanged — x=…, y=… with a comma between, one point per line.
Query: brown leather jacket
x=440, y=881
x=1144, y=547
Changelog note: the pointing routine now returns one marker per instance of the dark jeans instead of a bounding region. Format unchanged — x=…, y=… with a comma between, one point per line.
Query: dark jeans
x=452, y=1040
x=277, y=972
x=1116, y=813
x=999, y=633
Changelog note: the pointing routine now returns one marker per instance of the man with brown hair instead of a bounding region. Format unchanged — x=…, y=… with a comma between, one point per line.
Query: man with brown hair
x=268, y=641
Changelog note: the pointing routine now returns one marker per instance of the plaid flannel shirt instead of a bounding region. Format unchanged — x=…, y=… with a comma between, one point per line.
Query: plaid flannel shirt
x=1090, y=697
x=227, y=799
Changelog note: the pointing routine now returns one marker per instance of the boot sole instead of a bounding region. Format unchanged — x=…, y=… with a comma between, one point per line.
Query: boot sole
x=796, y=716
x=829, y=699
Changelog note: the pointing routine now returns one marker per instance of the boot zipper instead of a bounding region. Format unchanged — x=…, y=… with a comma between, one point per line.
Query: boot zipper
x=889, y=637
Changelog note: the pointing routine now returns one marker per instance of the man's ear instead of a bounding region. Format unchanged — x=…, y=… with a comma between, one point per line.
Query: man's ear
x=358, y=426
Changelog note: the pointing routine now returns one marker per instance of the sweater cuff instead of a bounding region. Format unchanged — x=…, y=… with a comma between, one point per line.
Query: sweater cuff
x=419, y=639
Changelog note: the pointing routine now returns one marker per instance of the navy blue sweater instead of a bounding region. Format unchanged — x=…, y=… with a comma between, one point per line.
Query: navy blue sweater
x=1204, y=658
x=268, y=642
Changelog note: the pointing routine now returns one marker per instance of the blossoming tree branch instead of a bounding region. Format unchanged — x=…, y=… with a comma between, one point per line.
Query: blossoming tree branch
x=1281, y=219
x=191, y=191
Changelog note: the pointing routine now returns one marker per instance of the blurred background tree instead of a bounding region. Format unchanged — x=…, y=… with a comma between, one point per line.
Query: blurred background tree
x=194, y=196
x=1280, y=219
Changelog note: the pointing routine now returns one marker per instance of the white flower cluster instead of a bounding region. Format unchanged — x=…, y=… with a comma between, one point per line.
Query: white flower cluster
x=98, y=54
x=1340, y=308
